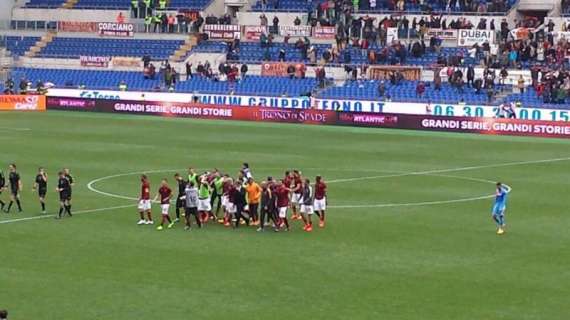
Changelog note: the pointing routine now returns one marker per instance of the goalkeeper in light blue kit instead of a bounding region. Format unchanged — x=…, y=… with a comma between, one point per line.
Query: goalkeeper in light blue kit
x=499, y=207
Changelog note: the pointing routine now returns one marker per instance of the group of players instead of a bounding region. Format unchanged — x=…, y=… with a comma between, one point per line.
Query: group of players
x=242, y=200
x=15, y=186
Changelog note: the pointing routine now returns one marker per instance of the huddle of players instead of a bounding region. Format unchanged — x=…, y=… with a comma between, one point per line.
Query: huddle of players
x=242, y=200
x=64, y=184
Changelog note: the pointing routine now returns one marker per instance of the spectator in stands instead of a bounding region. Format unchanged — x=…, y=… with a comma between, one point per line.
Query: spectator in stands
x=312, y=55
x=120, y=18
x=470, y=75
x=135, y=8
x=9, y=86
x=188, y=70
x=420, y=89
x=381, y=88
x=123, y=86
x=291, y=71
x=263, y=20
x=437, y=79
x=243, y=71
x=281, y=56
x=171, y=21
x=297, y=21
x=24, y=85
x=275, y=25
x=520, y=84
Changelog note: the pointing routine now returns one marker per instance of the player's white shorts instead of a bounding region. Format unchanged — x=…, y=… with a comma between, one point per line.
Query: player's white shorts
x=231, y=208
x=283, y=212
x=164, y=208
x=225, y=201
x=144, y=205
x=320, y=205
x=204, y=205
x=307, y=209
x=296, y=198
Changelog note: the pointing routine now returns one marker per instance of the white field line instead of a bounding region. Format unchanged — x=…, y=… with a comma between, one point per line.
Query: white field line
x=429, y=172
x=427, y=203
x=74, y=213
x=15, y=129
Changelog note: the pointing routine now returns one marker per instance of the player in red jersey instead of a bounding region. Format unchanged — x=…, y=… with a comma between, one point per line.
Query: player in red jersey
x=282, y=194
x=144, y=202
x=165, y=193
x=229, y=208
x=297, y=193
x=320, y=200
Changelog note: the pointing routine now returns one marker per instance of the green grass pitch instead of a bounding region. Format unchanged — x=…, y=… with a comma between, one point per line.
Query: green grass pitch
x=381, y=256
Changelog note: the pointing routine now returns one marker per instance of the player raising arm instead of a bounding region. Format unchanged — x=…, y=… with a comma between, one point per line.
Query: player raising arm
x=499, y=207
x=144, y=206
x=165, y=193
x=40, y=184
x=320, y=205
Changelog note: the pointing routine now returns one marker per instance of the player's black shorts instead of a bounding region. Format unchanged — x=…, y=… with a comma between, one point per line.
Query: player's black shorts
x=190, y=211
x=42, y=192
x=14, y=191
x=180, y=203
x=64, y=196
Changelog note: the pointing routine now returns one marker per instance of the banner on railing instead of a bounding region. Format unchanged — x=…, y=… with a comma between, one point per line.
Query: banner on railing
x=468, y=38
x=383, y=72
x=343, y=105
x=22, y=103
x=447, y=34
x=77, y=26
x=295, y=31
x=521, y=33
x=130, y=62
x=311, y=116
x=113, y=29
x=222, y=31
x=254, y=32
x=91, y=61
x=324, y=32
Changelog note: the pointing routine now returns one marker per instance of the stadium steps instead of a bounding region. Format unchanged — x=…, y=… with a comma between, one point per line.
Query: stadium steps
x=69, y=4
x=181, y=52
x=42, y=43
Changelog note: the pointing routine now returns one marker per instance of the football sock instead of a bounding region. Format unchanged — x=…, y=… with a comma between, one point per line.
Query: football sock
x=496, y=218
x=177, y=213
x=19, y=205
x=60, y=212
x=43, y=206
x=10, y=206
x=2, y=204
x=68, y=210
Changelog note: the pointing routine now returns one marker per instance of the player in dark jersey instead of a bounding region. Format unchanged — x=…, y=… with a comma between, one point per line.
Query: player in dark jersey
x=40, y=184
x=71, y=180
x=165, y=194
x=15, y=188
x=181, y=195
x=64, y=189
x=2, y=187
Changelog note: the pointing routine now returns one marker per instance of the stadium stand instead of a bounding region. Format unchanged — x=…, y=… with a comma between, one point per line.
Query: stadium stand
x=19, y=45
x=485, y=6
x=73, y=48
x=117, y=4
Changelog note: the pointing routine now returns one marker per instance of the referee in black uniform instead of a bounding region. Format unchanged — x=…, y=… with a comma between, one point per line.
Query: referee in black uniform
x=64, y=189
x=15, y=188
x=71, y=180
x=2, y=186
x=180, y=203
x=40, y=184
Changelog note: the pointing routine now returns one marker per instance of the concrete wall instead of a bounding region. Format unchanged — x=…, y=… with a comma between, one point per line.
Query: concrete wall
x=6, y=9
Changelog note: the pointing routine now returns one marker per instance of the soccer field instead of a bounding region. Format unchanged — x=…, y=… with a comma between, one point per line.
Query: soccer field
x=409, y=233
